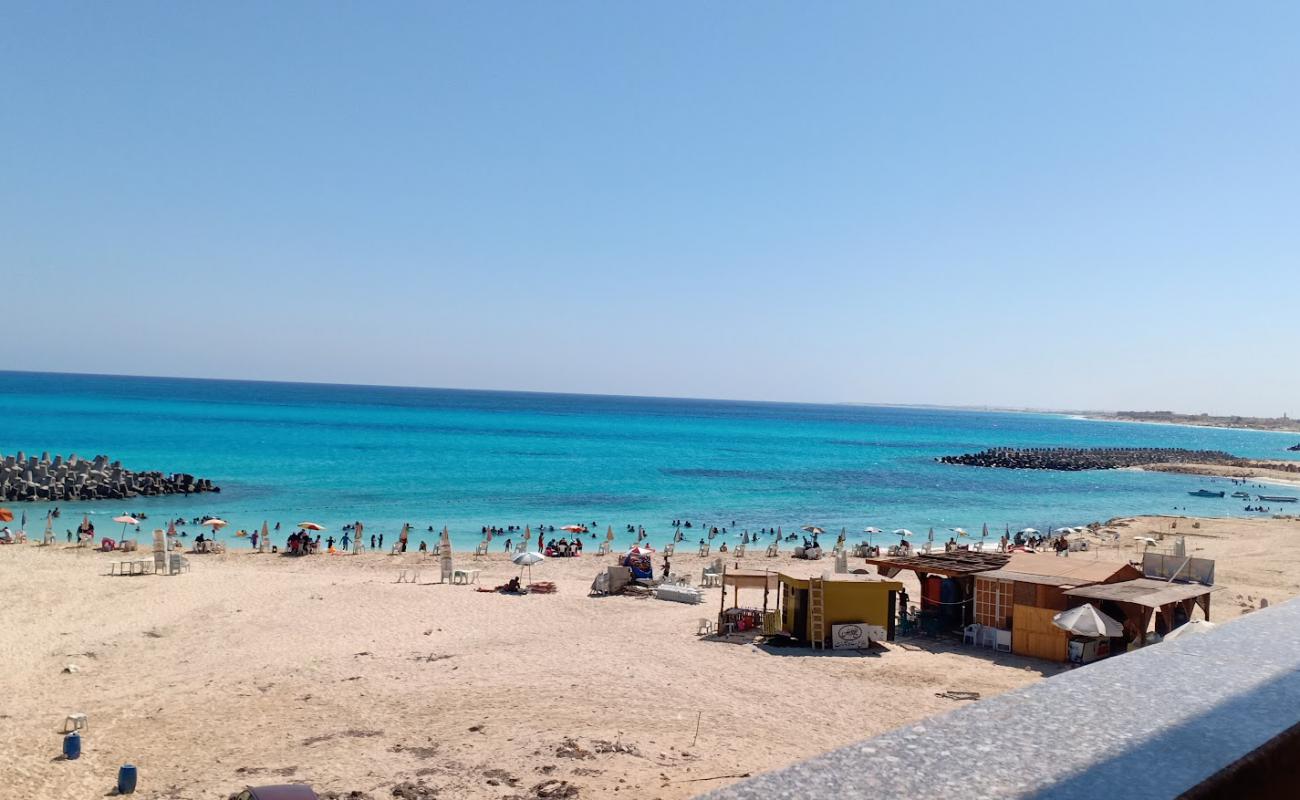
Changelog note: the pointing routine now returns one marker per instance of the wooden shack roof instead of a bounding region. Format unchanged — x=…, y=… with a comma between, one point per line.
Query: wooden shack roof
x=1143, y=592
x=1052, y=570
x=959, y=563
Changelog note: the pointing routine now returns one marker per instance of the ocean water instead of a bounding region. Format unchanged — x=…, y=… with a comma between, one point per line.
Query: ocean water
x=432, y=457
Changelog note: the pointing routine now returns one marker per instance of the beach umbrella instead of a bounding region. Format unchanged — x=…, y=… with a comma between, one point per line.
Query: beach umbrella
x=126, y=519
x=6, y=515
x=403, y=536
x=214, y=523
x=527, y=560
x=307, y=526
x=23, y=525
x=960, y=531
x=677, y=537
x=1194, y=627
x=1028, y=531
x=266, y=534
x=930, y=538
x=903, y=532
x=872, y=530
x=813, y=529
x=575, y=528
x=1087, y=621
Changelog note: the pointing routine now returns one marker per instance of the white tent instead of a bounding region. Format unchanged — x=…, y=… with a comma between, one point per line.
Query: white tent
x=1194, y=627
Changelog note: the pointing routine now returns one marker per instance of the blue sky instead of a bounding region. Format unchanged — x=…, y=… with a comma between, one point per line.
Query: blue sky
x=1050, y=205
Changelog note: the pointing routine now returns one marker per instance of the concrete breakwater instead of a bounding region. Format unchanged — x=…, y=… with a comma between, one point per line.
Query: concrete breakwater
x=24, y=477
x=1073, y=459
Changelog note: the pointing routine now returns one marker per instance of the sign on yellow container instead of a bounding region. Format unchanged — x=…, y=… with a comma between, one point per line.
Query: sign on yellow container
x=856, y=636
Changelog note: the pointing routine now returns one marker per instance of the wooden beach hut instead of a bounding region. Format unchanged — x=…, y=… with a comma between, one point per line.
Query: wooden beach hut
x=949, y=575
x=811, y=607
x=1134, y=603
x=1024, y=595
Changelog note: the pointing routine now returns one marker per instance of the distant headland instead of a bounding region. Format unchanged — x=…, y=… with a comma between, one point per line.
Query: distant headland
x=24, y=477
x=1282, y=423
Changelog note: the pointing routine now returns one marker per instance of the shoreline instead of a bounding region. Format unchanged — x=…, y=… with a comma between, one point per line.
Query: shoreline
x=1178, y=424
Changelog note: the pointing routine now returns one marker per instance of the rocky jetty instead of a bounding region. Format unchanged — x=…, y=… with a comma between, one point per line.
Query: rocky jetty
x=1073, y=459
x=25, y=477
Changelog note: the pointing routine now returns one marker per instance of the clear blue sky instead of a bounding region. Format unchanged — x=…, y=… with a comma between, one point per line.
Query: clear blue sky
x=1038, y=204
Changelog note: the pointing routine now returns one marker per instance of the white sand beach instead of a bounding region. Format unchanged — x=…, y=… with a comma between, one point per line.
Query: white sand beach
x=255, y=669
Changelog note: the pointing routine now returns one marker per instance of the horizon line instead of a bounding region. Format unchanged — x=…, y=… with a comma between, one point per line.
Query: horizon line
x=338, y=384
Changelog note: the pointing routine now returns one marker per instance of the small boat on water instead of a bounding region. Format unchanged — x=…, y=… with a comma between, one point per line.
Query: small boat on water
x=1272, y=498
x=1241, y=495
x=1205, y=493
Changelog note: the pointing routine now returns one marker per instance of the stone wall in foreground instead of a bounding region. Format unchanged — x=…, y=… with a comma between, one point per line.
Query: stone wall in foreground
x=24, y=477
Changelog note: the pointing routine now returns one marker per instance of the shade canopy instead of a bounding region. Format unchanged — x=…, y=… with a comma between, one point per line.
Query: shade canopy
x=902, y=532
x=311, y=526
x=813, y=529
x=528, y=559
x=127, y=519
x=214, y=523
x=1087, y=621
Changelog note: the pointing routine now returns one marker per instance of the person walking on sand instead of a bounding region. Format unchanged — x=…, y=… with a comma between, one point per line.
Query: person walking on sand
x=345, y=541
x=372, y=541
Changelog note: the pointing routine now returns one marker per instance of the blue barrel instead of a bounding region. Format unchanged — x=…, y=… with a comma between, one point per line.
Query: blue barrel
x=72, y=746
x=126, y=776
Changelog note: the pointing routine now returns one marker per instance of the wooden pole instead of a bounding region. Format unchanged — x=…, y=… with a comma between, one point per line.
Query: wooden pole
x=722, y=601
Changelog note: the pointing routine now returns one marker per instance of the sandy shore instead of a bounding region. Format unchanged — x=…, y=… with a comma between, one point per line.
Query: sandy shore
x=1260, y=472
x=264, y=669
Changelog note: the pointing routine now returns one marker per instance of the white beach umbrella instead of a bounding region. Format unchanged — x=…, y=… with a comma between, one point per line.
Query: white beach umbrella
x=527, y=560
x=126, y=519
x=904, y=532
x=872, y=530
x=1028, y=531
x=960, y=531
x=1194, y=627
x=813, y=529
x=1087, y=621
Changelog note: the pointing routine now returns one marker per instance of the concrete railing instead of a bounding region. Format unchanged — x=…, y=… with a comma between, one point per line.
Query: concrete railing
x=1204, y=716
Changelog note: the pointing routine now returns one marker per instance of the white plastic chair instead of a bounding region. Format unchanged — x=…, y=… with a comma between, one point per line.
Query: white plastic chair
x=971, y=633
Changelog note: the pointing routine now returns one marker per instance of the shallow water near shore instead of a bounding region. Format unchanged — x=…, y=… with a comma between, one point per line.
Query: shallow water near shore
x=334, y=454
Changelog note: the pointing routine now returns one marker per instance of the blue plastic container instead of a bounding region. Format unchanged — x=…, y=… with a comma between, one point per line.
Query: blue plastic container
x=126, y=777
x=72, y=746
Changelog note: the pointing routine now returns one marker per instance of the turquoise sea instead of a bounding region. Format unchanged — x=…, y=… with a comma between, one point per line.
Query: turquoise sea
x=334, y=454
